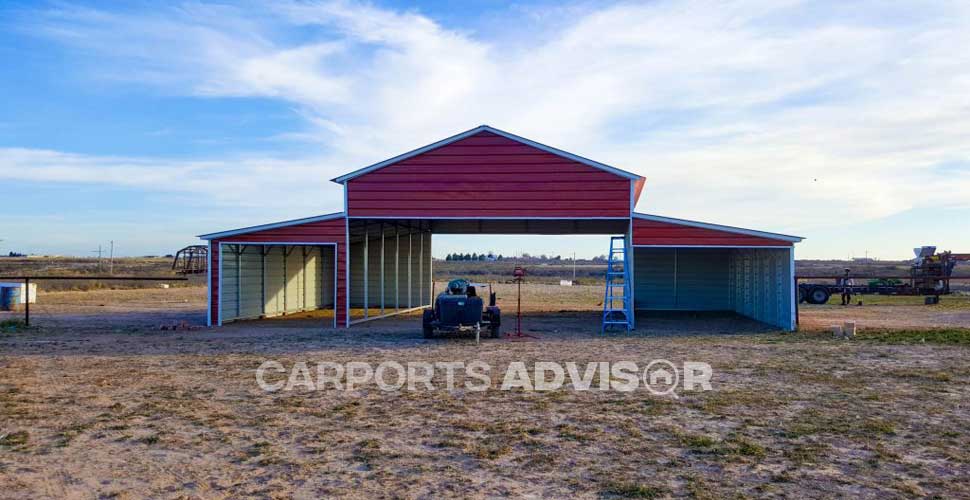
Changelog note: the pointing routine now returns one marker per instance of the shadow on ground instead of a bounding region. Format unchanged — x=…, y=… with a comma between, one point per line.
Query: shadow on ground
x=89, y=335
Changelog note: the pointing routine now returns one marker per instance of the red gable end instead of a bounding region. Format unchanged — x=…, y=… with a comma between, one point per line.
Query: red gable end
x=488, y=175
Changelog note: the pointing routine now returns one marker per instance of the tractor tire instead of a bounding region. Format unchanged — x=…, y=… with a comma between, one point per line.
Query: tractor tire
x=801, y=295
x=426, y=323
x=818, y=295
x=495, y=322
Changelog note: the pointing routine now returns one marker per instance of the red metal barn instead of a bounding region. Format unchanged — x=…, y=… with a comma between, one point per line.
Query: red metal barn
x=373, y=260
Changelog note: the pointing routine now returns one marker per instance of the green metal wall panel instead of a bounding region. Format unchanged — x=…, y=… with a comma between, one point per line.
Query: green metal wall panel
x=654, y=280
x=682, y=279
x=761, y=285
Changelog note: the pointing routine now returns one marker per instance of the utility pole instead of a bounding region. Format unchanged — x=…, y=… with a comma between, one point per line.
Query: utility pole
x=111, y=258
x=574, y=268
x=98, y=251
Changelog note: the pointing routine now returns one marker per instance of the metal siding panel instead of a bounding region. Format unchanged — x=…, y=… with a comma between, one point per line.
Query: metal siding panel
x=526, y=181
x=357, y=275
x=654, y=280
x=390, y=277
x=293, y=297
x=428, y=273
x=327, y=273
x=404, y=257
x=374, y=270
x=702, y=280
x=215, y=293
x=762, y=279
x=647, y=232
x=229, y=304
x=311, y=278
x=275, y=281
x=251, y=279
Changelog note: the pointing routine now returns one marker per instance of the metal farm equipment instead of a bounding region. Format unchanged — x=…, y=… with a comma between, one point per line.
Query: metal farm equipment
x=192, y=259
x=460, y=309
x=930, y=274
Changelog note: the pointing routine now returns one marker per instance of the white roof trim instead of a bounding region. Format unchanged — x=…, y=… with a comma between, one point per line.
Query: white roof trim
x=274, y=225
x=718, y=227
x=486, y=128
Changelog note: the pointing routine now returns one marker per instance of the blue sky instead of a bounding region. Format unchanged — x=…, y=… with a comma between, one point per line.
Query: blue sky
x=149, y=123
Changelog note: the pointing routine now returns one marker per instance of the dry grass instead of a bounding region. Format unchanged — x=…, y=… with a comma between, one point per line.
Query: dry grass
x=102, y=411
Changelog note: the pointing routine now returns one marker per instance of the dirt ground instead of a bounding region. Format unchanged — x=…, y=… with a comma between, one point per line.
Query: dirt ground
x=96, y=401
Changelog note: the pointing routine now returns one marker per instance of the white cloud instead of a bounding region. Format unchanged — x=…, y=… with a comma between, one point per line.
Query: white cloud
x=783, y=115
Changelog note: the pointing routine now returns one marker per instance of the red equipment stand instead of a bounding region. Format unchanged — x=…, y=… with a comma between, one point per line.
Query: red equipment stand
x=518, y=273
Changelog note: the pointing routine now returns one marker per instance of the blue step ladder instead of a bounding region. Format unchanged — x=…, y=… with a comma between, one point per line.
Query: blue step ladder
x=617, y=309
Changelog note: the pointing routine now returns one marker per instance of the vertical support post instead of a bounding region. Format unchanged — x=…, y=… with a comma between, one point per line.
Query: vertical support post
x=397, y=268
x=239, y=250
x=382, y=268
x=676, y=273
x=366, y=272
x=286, y=254
x=421, y=270
x=303, y=273
x=27, y=301
x=262, y=281
x=410, y=265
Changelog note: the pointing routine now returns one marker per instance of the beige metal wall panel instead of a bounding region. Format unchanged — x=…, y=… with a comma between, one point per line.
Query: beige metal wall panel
x=404, y=273
x=293, y=298
x=251, y=282
x=390, y=276
x=415, y=263
x=374, y=270
x=229, y=274
x=274, y=282
x=428, y=272
x=311, y=277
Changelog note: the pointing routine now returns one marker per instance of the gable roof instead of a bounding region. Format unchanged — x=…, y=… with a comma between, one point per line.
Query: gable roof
x=479, y=129
x=274, y=225
x=718, y=227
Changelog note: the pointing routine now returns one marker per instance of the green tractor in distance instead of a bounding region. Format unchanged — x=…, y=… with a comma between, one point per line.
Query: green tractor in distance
x=460, y=309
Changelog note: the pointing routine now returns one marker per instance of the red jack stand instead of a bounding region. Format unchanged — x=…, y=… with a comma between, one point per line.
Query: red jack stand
x=518, y=336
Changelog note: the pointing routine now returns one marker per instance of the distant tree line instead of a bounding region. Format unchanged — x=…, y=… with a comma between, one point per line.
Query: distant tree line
x=526, y=257
x=474, y=256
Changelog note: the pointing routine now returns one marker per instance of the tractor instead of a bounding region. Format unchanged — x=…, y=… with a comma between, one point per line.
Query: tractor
x=460, y=309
